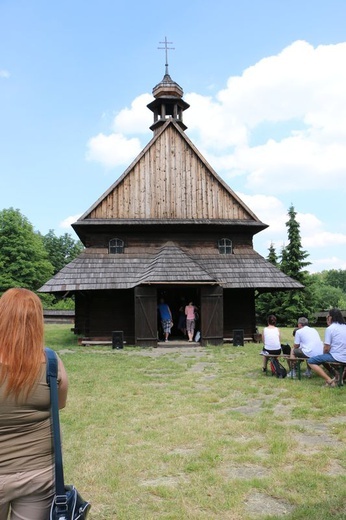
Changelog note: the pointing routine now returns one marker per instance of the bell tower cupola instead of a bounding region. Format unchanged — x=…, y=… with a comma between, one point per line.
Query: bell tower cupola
x=168, y=102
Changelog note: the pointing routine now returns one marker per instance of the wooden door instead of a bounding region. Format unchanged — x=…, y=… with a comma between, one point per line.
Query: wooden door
x=212, y=315
x=145, y=316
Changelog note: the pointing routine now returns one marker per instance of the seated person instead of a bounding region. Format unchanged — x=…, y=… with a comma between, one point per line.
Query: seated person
x=307, y=342
x=271, y=340
x=334, y=348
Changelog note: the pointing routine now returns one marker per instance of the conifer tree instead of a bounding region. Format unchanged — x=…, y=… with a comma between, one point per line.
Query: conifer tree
x=293, y=256
x=293, y=261
x=266, y=303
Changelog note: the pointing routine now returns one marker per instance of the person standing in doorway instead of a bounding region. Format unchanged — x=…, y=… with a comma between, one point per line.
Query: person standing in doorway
x=166, y=318
x=190, y=312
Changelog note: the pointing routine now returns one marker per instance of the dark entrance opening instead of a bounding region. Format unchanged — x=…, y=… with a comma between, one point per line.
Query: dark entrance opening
x=177, y=296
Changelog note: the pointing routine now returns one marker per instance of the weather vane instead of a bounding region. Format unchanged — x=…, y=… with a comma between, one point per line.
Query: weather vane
x=165, y=48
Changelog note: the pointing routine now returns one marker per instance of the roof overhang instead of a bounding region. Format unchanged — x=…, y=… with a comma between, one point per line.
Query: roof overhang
x=84, y=227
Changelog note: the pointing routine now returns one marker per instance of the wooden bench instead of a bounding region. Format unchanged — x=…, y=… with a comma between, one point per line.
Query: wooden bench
x=340, y=367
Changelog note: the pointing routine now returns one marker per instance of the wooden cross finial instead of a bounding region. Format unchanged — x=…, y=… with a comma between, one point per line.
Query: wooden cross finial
x=166, y=43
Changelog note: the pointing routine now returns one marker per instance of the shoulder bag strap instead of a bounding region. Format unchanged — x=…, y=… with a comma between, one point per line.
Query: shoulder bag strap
x=52, y=376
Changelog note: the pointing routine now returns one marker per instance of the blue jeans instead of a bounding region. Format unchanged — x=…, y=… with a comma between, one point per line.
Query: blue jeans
x=322, y=358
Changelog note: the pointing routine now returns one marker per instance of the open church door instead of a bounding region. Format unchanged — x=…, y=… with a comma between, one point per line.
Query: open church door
x=146, y=316
x=212, y=315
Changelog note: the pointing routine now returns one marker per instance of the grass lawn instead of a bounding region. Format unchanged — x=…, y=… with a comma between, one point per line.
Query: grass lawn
x=199, y=433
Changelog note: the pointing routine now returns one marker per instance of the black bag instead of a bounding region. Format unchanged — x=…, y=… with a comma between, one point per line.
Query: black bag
x=67, y=503
x=277, y=369
x=70, y=506
x=286, y=349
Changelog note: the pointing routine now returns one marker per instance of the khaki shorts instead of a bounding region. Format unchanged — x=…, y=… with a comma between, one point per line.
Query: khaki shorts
x=26, y=495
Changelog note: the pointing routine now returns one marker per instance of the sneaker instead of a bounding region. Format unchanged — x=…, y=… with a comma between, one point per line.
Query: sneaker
x=292, y=374
x=307, y=373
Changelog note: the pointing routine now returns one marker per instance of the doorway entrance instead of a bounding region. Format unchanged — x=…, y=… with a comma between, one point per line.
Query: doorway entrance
x=177, y=296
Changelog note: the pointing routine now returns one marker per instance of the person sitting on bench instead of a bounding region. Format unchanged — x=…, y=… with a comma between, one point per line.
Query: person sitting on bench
x=334, y=349
x=307, y=342
x=271, y=340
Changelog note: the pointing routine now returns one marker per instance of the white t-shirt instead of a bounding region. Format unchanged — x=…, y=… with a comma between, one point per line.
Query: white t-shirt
x=271, y=338
x=309, y=341
x=335, y=336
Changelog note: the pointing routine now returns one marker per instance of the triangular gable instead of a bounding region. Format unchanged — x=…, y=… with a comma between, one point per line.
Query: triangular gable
x=172, y=265
x=170, y=180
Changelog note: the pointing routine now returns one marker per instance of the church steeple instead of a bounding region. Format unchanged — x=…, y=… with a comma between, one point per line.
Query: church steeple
x=168, y=102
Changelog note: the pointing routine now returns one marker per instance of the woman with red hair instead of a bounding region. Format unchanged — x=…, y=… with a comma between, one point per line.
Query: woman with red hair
x=26, y=455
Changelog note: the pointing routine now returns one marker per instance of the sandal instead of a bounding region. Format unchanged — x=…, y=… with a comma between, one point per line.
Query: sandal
x=331, y=383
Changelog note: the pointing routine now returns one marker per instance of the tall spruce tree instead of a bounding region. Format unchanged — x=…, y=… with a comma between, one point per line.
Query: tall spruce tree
x=266, y=303
x=293, y=262
x=293, y=256
x=272, y=256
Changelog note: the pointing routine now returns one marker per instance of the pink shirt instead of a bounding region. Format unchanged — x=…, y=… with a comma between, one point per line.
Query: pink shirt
x=190, y=312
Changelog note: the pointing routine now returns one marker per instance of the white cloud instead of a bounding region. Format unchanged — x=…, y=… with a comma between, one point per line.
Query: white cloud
x=217, y=128
x=4, y=74
x=282, y=120
x=134, y=120
x=324, y=239
x=294, y=104
x=66, y=224
x=270, y=210
x=323, y=264
x=113, y=149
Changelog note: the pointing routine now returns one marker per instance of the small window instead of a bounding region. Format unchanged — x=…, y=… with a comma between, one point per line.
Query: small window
x=225, y=246
x=116, y=246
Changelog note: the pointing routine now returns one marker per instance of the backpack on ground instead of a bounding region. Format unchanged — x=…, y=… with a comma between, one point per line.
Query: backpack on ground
x=277, y=369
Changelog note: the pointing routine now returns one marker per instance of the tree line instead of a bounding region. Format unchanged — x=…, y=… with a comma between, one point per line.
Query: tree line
x=322, y=291
x=28, y=259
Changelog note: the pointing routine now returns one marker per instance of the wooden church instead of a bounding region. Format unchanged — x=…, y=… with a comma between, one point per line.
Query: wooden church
x=168, y=227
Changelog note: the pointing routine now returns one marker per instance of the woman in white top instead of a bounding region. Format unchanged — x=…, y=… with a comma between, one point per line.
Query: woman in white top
x=271, y=340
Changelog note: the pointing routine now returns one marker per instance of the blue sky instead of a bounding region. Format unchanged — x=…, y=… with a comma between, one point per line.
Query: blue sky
x=266, y=84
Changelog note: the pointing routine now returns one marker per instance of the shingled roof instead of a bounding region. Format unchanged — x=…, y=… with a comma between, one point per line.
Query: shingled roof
x=95, y=269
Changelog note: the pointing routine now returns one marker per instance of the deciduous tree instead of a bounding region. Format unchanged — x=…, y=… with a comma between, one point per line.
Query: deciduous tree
x=23, y=259
x=61, y=250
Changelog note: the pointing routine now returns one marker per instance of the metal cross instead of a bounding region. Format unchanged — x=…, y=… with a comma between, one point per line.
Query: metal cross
x=166, y=43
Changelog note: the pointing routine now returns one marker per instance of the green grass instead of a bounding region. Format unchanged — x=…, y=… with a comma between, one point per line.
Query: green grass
x=199, y=434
